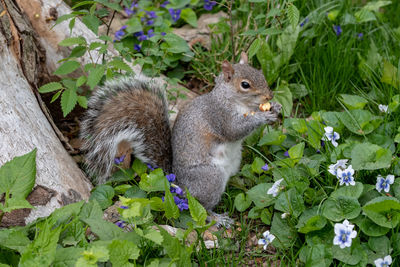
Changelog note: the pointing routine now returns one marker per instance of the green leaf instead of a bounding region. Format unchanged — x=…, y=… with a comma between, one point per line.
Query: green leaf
x=68, y=101
x=17, y=176
x=82, y=101
x=242, y=202
x=254, y=47
x=73, y=41
x=266, y=58
x=153, y=235
x=139, y=167
x=171, y=209
x=110, y=4
x=67, y=67
x=298, y=90
x=14, y=239
x=296, y=125
x=353, y=101
x=96, y=253
x=315, y=132
x=67, y=257
x=384, y=211
x=316, y=255
x=310, y=221
x=370, y=228
x=81, y=80
x=95, y=76
x=56, y=96
x=92, y=22
x=283, y=95
x=42, y=251
x=290, y=202
x=296, y=152
x=64, y=17
x=77, y=51
x=364, y=15
x=340, y=208
x=176, y=44
x=189, y=16
x=257, y=164
x=272, y=137
x=50, y=87
x=152, y=182
x=285, y=235
x=367, y=156
x=349, y=191
x=197, y=211
x=122, y=251
x=360, y=121
x=380, y=244
x=349, y=255
x=15, y=204
x=119, y=64
x=103, y=194
x=390, y=74
x=293, y=15
x=258, y=194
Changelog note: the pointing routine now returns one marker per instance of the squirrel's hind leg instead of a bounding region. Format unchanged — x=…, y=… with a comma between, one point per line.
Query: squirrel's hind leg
x=206, y=183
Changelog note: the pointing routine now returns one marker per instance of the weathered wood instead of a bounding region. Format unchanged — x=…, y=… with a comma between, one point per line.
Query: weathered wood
x=23, y=125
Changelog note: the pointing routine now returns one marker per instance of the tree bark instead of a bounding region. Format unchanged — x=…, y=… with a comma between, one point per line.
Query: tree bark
x=23, y=125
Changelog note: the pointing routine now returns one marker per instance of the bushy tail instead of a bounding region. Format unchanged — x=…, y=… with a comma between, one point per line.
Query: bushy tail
x=127, y=110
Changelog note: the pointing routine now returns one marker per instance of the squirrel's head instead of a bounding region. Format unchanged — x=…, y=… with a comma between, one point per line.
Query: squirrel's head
x=248, y=83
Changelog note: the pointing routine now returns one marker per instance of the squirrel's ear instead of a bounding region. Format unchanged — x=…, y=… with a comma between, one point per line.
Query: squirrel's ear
x=243, y=58
x=228, y=71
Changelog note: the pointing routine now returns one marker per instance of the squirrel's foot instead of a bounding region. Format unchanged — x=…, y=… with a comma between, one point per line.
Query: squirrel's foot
x=222, y=220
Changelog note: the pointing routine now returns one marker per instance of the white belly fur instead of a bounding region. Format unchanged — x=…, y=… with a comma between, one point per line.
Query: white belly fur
x=227, y=157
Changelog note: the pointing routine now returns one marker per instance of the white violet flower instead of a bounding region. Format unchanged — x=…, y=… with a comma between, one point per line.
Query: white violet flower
x=285, y=215
x=341, y=163
x=383, y=108
x=384, y=183
x=344, y=234
x=274, y=190
x=268, y=238
x=386, y=261
x=330, y=135
x=346, y=176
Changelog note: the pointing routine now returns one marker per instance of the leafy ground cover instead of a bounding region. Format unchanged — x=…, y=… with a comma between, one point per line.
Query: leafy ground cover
x=319, y=189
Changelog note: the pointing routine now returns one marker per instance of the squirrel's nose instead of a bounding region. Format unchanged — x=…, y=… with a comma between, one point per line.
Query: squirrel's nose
x=269, y=95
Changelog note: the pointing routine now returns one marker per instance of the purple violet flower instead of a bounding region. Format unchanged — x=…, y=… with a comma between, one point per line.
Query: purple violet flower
x=137, y=47
x=150, y=33
x=119, y=160
x=164, y=4
x=181, y=203
x=124, y=207
x=265, y=167
x=208, y=5
x=337, y=29
x=151, y=167
x=175, y=14
x=286, y=154
x=304, y=22
x=163, y=33
x=120, y=33
x=120, y=224
x=132, y=10
x=176, y=189
x=171, y=177
x=360, y=35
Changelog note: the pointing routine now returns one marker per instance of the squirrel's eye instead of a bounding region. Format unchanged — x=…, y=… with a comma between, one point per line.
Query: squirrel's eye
x=245, y=85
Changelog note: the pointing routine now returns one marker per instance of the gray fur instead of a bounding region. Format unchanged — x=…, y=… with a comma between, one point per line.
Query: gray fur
x=100, y=147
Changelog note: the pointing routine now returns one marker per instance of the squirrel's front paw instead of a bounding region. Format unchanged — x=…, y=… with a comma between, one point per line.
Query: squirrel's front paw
x=276, y=107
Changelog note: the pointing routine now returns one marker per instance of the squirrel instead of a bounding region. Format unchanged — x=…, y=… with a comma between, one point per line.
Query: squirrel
x=204, y=147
